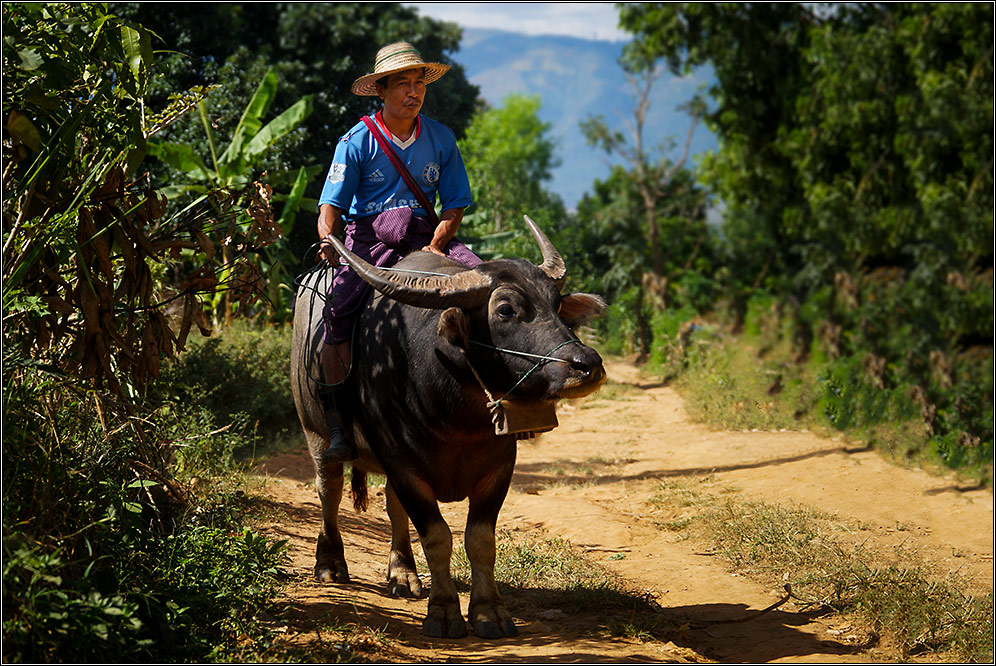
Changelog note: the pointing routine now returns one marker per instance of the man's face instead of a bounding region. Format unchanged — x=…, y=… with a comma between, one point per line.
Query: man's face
x=404, y=93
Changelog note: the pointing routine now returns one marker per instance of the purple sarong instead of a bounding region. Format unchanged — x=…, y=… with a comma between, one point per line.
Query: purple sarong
x=383, y=240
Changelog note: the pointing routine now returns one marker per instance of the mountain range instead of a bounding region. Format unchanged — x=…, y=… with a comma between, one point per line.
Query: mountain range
x=574, y=79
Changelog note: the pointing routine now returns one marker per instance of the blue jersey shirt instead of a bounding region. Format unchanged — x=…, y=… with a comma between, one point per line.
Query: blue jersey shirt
x=363, y=181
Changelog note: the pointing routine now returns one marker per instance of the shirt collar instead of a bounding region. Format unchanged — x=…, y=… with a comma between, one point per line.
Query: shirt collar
x=379, y=117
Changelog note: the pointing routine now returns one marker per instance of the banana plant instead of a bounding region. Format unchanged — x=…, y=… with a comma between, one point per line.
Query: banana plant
x=248, y=145
x=234, y=167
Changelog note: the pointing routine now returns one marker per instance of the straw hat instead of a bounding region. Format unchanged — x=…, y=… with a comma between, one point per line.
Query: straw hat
x=393, y=58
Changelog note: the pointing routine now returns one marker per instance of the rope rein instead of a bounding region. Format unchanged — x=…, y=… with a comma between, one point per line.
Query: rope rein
x=522, y=353
x=496, y=404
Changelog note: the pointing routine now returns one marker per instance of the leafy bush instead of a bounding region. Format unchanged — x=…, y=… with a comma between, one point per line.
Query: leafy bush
x=146, y=598
x=850, y=401
x=106, y=556
x=619, y=324
x=668, y=345
x=240, y=378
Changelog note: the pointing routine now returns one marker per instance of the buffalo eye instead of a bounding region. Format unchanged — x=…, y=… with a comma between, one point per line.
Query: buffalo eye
x=505, y=311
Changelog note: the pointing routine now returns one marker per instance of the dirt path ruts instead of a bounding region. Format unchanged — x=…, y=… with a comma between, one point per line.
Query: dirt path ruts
x=588, y=481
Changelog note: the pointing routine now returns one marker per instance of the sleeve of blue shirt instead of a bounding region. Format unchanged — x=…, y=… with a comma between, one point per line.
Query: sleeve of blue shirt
x=343, y=176
x=454, y=187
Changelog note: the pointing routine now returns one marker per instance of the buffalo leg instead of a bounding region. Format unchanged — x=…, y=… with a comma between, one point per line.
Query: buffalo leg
x=487, y=613
x=330, y=558
x=402, y=578
x=443, y=618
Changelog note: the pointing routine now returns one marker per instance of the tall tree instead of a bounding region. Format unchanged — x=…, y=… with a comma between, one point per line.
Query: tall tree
x=650, y=169
x=650, y=174
x=842, y=129
x=509, y=156
x=607, y=245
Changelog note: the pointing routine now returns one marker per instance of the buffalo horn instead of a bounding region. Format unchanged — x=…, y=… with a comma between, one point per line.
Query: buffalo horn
x=553, y=264
x=466, y=289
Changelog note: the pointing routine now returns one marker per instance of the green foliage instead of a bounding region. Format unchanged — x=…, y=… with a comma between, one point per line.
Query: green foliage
x=85, y=242
x=215, y=581
x=249, y=143
x=607, y=250
x=248, y=146
x=670, y=329
x=832, y=163
x=107, y=557
x=509, y=156
x=73, y=76
x=849, y=401
x=619, y=324
x=240, y=378
x=646, y=214
x=856, y=176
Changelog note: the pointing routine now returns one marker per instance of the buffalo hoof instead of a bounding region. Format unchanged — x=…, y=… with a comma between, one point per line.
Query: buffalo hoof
x=492, y=622
x=326, y=574
x=489, y=629
x=405, y=585
x=442, y=622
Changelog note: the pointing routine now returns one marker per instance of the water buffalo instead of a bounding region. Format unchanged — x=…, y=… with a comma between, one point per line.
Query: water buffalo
x=446, y=360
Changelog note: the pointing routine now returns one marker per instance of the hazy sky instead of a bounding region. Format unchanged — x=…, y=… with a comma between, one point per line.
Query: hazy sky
x=587, y=20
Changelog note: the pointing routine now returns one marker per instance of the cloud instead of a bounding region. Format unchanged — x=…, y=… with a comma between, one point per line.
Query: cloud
x=585, y=20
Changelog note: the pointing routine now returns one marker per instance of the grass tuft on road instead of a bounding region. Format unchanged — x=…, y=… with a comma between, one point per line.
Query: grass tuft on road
x=898, y=596
x=539, y=574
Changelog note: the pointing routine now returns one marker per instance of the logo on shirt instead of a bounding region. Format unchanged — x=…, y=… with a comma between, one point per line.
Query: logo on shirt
x=337, y=173
x=430, y=175
x=376, y=177
x=375, y=207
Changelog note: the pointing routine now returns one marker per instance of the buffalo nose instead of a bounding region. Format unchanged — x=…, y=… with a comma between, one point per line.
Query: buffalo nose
x=586, y=362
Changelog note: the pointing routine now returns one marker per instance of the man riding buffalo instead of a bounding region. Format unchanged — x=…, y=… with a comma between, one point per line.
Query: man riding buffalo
x=385, y=214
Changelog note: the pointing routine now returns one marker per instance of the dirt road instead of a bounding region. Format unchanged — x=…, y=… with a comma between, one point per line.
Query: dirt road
x=589, y=481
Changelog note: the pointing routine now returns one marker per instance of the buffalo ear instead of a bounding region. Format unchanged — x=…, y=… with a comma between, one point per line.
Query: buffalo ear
x=576, y=309
x=454, y=327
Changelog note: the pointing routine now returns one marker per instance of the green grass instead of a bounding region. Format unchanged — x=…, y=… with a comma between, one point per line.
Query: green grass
x=729, y=386
x=550, y=564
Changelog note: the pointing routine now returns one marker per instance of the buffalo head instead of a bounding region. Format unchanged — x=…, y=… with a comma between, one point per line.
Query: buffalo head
x=506, y=318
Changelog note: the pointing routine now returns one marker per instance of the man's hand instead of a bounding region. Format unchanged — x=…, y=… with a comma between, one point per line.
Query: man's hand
x=449, y=222
x=434, y=250
x=329, y=224
x=327, y=253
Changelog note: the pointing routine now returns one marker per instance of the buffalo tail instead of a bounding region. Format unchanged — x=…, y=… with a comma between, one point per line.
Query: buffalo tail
x=358, y=484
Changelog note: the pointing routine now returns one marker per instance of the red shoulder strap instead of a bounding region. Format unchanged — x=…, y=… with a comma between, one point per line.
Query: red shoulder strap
x=402, y=169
